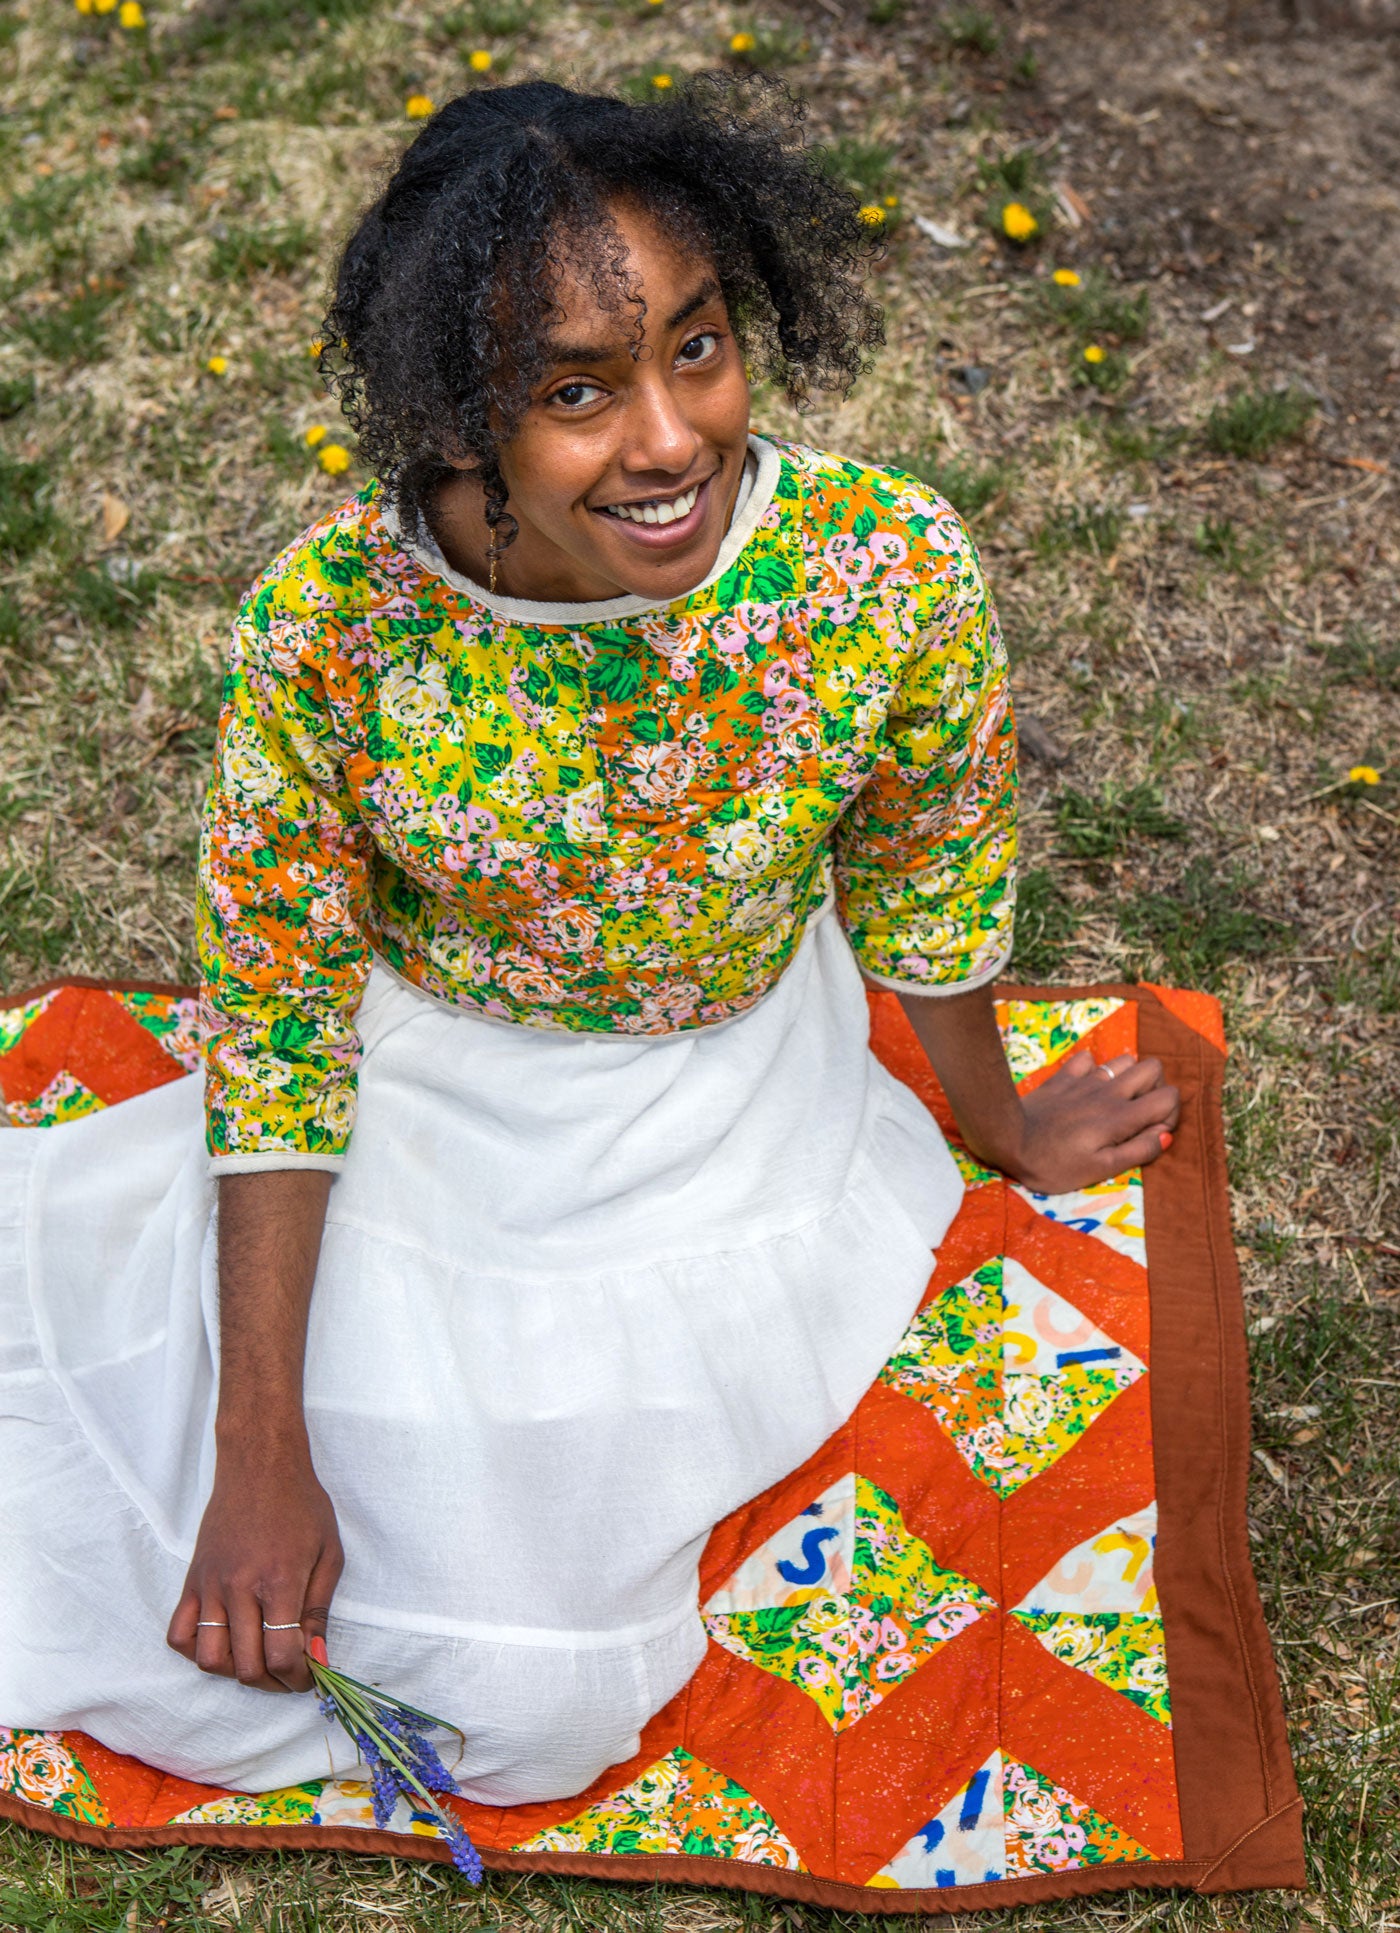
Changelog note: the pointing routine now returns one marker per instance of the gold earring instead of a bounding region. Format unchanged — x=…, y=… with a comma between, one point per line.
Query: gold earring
x=491, y=568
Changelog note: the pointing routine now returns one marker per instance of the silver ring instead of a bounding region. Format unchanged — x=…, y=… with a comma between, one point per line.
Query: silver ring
x=209, y=1624
x=1106, y=1069
x=283, y=1627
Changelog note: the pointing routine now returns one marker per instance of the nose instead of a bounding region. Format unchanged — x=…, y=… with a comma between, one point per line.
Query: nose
x=659, y=435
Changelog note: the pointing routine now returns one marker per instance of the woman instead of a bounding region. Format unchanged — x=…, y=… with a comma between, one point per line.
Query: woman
x=573, y=780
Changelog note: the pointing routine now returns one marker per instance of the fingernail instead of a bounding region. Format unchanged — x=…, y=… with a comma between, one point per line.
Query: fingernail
x=317, y=1646
x=1165, y=1140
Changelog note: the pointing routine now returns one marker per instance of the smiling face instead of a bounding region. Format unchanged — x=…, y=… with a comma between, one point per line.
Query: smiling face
x=624, y=472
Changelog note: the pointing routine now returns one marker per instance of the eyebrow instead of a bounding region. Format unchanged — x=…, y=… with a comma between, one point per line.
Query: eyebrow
x=702, y=295
x=604, y=352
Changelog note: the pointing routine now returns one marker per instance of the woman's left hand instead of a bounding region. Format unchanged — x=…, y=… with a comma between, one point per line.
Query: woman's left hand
x=1088, y=1123
x=1084, y=1125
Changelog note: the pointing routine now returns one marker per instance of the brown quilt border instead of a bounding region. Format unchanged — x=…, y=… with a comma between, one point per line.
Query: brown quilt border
x=678, y=1869
x=1241, y=1812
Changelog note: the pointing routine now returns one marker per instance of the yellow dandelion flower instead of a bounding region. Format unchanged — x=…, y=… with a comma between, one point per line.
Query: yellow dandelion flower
x=83, y=6
x=1364, y=775
x=1094, y=352
x=1018, y=223
x=1067, y=278
x=333, y=458
x=653, y=3
x=742, y=43
x=131, y=15
x=479, y=60
x=313, y=349
x=104, y=6
x=873, y=215
x=217, y=365
x=316, y=433
x=663, y=81
x=891, y=201
x=417, y=107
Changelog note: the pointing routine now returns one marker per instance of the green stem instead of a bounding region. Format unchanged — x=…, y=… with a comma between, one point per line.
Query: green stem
x=332, y=1684
x=330, y=1681
x=380, y=1697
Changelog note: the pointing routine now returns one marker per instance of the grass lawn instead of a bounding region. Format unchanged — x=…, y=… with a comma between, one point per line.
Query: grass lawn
x=1179, y=468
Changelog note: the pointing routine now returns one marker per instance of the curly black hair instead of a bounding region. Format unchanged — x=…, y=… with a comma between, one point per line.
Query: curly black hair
x=444, y=295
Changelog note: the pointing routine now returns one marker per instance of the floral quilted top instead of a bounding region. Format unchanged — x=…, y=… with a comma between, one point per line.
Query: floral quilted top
x=613, y=817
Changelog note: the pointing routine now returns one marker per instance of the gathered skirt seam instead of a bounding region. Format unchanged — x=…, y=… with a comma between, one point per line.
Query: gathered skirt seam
x=863, y=1182
x=523, y=1637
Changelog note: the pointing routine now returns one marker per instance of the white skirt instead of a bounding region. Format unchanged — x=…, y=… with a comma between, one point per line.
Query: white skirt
x=579, y=1297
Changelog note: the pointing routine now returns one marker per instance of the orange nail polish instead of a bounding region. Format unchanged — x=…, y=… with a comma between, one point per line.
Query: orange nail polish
x=317, y=1648
x=1166, y=1140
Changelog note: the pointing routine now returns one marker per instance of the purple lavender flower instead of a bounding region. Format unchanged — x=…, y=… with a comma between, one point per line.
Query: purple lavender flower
x=384, y=1793
x=465, y=1856
x=392, y=1741
x=431, y=1769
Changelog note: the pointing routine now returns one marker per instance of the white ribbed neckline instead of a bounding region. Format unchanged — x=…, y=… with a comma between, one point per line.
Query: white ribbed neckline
x=748, y=512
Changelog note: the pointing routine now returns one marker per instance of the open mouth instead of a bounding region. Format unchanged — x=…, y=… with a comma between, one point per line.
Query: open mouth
x=657, y=510
x=662, y=519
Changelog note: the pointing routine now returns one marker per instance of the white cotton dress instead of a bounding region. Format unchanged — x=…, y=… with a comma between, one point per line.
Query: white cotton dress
x=580, y=1296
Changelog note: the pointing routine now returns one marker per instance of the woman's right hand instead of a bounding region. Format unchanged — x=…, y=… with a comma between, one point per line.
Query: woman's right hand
x=268, y=1554
x=268, y=1550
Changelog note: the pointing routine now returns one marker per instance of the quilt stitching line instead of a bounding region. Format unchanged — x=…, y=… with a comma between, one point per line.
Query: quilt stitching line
x=1250, y=1832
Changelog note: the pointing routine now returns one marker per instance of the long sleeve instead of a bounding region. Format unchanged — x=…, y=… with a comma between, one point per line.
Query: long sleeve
x=282, y=881
x=925, y=858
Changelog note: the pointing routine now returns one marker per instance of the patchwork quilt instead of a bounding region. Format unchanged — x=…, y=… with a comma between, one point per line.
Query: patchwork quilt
x=997, y=1642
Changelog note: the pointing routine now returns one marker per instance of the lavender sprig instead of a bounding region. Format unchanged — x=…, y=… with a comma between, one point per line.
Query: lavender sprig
x=391, y=1738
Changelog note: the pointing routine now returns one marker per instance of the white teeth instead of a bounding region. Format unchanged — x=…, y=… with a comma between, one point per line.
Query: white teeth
x=658, y=511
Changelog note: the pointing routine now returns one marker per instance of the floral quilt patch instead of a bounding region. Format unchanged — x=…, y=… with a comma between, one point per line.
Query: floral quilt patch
x=845, y=1647
x=294, y=1805
x=1129, y=1654
x=1037, y=1033
x=678, y=1805
x=1007, y=1821
x=173, y=1022
x=16, y=1021
x=43, y=1769
x=1013, y=1371
x=1049, y=1830
x=64, y=1099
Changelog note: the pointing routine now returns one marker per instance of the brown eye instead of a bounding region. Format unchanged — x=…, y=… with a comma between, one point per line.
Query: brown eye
x=699, y=348
x=576, y=395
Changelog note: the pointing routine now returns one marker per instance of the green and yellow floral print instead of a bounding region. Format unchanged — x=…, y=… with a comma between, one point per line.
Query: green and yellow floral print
x=616, y=824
